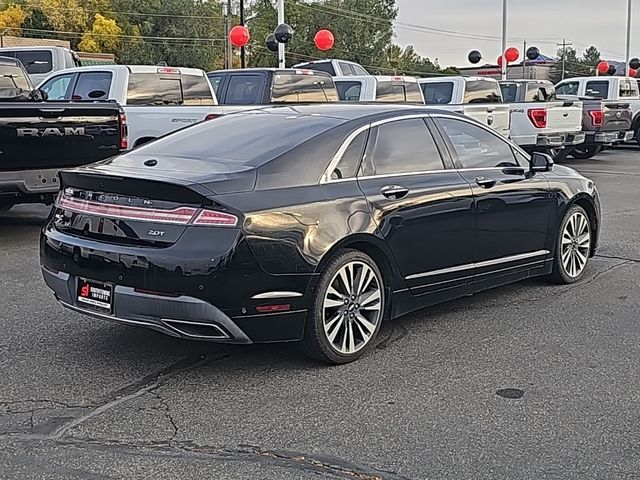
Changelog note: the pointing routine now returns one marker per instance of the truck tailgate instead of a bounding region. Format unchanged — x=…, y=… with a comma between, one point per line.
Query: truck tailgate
x=564, y=116
x=57, y=134
x=494, y=115
x=617, y=116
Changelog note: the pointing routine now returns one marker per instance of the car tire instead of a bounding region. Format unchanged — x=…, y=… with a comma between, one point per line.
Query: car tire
x=573, y=246
x=348, y=308
x=586, y=152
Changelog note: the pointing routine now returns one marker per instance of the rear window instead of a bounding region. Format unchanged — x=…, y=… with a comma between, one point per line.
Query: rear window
x=244, y=89
x=168, y=89
x=437, y=93
x=34, y=61
x=628, y=88
x=319, y=67
x=349, y=91
x=13, y=77
x=509, y=92
x=294, y=88
x=539, y=93
x=390, y=91
x=243, y=138
x=597, y=89
x=482, y=91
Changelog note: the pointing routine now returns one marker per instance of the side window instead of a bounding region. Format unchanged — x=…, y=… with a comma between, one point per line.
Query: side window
x=404, y=146
x=437, y=93
x=346, y=69
x=196, y=91
x=244, y=90
x=349, y=91
x=475, y=147
x=350, y=161
x=568, y=88
x=57, y=88
x=597, y=88
x=358, y=70
x=92, y=86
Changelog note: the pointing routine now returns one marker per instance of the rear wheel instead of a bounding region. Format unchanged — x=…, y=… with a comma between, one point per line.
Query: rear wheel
x=585, y=152
x=347, y=310
x=572, y=247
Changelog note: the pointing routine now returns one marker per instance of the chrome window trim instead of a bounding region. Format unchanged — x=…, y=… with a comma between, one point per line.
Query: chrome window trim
x=485, y=263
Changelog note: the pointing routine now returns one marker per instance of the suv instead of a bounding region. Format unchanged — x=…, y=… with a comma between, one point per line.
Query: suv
x=335, y=68
x=40, y=62
x=264, y=86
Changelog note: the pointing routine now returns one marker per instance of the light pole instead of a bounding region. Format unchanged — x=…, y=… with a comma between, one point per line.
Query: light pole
x=504, y=39
x=628, y=49
x=281, y=59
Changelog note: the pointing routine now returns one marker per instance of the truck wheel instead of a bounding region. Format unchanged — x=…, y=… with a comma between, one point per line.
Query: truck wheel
x=585, y=152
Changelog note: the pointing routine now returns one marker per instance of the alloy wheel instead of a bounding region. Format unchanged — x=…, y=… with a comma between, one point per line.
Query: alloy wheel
x=352, y=307
x=576, y=243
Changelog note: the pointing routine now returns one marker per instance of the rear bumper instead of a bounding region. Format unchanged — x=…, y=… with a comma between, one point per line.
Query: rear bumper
x=556, y=140
x=29, y=182
x=609, y=137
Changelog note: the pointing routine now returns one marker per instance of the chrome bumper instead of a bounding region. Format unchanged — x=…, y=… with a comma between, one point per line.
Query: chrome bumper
x=611, y=137
x=182, y=317
x=557, y=140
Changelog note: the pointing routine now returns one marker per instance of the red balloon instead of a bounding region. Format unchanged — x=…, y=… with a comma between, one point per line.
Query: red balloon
x=500, y=62
x=512, y=54
x=239, y=36
x=633, y=72
x=603, y=68
x=324, y=40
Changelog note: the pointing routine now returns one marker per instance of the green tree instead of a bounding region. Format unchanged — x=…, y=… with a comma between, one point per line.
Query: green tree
x=591, y=56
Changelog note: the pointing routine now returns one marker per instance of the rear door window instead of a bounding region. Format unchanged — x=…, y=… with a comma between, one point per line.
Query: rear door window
x=346, y=69
x=92, y=86
x=58, y=88
x=437, y=93
x=403, y=146
x=35, y=61
x=215, y=81
x=349, y=91
x=196, y=90
x=245, y=89
x=294, y=88
x=398, y=91
x=482, y=91
x=597, y=89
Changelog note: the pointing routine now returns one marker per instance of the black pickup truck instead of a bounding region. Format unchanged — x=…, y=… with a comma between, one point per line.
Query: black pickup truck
x=37, y=139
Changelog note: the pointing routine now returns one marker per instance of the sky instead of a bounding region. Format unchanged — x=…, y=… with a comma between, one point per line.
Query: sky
x=542, y=23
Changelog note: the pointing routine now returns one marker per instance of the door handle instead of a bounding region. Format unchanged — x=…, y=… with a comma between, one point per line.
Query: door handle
x=394, y=191
x=513, y=170
x=485, y=182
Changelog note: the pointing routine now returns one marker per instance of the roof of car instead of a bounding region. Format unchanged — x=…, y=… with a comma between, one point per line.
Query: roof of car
x=456, y=77
x=379, y=78
x=132, y=69
x=350, y=111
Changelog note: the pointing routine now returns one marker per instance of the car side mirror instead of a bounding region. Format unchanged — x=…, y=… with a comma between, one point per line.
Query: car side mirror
x=541, y=162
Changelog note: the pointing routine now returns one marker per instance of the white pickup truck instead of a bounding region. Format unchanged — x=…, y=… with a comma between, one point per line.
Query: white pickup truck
x=474, y=97
x=538, y=121
x=622, y=89
x=156, y=100
x=379, y=88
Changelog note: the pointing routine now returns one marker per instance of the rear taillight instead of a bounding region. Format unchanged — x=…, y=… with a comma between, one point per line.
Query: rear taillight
x=124, y=131
x=212, y=116
x=176, y=216
x=597, y=117
x=538, y=117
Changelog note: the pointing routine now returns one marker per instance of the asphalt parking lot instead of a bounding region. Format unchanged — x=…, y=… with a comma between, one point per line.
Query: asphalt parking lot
x=82, y=398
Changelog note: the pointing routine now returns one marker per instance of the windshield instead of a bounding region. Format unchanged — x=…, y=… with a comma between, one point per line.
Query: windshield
x=295, y=88
x=13, y=77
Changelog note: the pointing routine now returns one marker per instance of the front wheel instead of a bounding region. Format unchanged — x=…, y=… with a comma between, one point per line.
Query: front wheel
x=347, y=310
x=573, y=246
x=586, y=152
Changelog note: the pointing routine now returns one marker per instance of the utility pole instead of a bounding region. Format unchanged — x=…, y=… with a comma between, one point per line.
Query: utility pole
x=504, y=39
x=564, y=46
x=628, y=49
x=242, y=52
x=228, y=50
x=281, y=58
x=524, y=60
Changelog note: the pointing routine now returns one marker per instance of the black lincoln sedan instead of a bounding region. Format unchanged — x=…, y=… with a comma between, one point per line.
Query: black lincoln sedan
x=311, y=223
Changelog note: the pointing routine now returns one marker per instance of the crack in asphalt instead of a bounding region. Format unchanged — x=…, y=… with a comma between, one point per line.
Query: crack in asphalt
x=613, y=257
x=323, y=464
x=167, y=413
x=395, y=326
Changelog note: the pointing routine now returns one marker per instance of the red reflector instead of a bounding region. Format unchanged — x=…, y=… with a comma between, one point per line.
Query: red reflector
x=273, y=308
x=168, y=70
x=597, y=117
x=124, y=131
x=212, y=116
x=211, y=217
x=177, y=216
x=538, y=117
